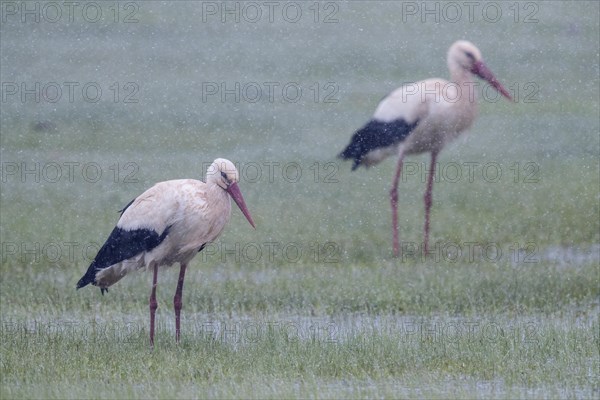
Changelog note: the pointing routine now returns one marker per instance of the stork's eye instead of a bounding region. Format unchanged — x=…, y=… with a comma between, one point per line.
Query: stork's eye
x=224, y=175
x=470, y=55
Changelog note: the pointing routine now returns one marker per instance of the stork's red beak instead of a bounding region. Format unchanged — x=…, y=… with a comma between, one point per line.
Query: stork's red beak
x=481, y=70
x=236, y=195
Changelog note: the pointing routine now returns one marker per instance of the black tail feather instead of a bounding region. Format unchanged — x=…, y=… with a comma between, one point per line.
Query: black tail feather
x=89, y=277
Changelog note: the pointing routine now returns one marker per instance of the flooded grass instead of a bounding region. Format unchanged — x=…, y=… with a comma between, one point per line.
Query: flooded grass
x=350, y=355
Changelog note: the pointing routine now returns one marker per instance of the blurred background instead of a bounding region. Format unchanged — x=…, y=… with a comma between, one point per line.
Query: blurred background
x=153, y=90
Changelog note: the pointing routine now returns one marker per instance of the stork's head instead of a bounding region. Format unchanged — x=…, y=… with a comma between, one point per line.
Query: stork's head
x=464, y=55
x=223, y=173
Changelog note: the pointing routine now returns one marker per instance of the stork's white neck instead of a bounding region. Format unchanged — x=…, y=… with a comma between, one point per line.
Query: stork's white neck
x=468, y=85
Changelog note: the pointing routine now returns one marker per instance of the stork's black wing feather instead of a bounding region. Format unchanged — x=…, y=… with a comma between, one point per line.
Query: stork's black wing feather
x=121, y=245
x=376, y=134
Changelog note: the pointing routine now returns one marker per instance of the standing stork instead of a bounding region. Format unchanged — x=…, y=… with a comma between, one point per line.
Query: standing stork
x=168, y=223
x=422, y=117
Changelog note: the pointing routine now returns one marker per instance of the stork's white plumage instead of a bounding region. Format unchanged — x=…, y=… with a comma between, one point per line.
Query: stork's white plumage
x=168, y=223
x=422, y=117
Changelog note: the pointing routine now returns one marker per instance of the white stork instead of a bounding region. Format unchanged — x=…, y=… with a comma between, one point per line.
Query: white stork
x=168, y=223
x=422, y=117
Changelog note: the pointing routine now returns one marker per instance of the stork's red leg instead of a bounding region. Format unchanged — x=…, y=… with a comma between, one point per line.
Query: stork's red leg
x=177, y=300
x=394, y=203
x=153, y=304
x=428, y=200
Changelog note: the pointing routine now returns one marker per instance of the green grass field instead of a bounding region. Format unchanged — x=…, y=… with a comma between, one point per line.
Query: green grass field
x=311, y=304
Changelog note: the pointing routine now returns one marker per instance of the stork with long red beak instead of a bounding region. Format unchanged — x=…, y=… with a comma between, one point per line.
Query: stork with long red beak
x=168, y=223
x=422, y=117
